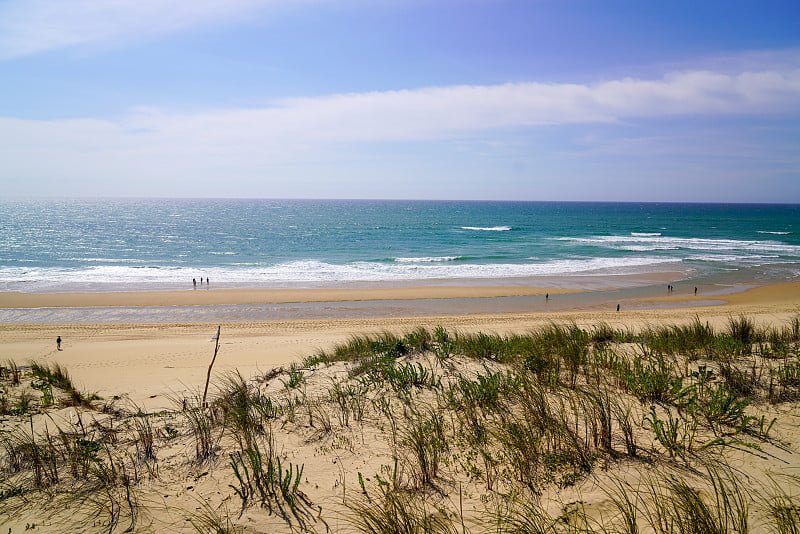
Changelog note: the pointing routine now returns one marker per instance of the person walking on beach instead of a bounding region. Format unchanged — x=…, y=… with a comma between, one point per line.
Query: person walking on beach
x=695, y=291
x=58, y=343
x=617, y=307
x=194, y=283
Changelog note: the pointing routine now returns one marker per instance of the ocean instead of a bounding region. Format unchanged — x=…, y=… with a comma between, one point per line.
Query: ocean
x=55, y=245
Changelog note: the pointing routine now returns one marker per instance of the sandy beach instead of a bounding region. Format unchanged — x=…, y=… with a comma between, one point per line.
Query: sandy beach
x=252, y=296
x=150, y=362
x=147, y=368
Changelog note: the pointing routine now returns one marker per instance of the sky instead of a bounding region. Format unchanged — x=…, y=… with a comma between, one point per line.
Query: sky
x=612, y=100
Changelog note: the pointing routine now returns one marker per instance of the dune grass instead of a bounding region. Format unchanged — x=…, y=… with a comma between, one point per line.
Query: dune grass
x=512, y=417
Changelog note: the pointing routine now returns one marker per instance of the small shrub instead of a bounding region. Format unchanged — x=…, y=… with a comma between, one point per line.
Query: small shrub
x=418, y=340
x=24, y=403
x=651, y=380
x=46, y=389
x=675, y=434
x=295, y=378
x=320, y=358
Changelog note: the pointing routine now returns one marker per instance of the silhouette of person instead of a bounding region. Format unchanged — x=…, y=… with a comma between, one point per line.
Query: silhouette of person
x=695, y=291
x=194, y=283
x=617, y=307
x=547, y=296
x=58, y=343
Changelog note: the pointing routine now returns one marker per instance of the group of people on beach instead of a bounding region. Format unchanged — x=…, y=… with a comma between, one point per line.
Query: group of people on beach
x=194, y=282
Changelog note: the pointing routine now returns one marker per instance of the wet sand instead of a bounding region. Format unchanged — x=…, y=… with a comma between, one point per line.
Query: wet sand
x=214, y=297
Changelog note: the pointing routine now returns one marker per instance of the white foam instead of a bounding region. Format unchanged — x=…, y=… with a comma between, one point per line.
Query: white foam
x=309, y=271
x=106, y=260
x=487, y=229
x=433, y=259
x=711, y=246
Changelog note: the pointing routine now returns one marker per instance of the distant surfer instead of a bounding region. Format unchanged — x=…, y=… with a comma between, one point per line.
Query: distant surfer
x=58, y=343
x=547, y=296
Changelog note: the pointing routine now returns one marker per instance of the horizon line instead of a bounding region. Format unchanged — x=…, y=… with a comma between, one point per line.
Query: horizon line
x=380, y=199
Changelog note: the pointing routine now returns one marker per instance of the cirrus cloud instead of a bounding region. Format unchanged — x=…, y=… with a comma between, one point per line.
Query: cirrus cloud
x=33, y=26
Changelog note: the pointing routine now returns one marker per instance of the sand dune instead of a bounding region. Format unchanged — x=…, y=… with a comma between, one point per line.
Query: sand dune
x=150, y=365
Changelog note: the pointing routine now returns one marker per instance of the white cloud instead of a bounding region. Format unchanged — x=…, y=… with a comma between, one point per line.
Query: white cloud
x=294, y=131
x=31, y=26
x=438, y=112
x=441, y=112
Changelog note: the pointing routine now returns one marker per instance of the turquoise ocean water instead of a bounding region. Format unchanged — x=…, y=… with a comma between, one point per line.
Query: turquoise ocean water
x=104, y=245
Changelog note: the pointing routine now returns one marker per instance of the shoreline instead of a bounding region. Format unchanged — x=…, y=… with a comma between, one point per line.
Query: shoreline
x=222, y=294
x=415, y=291
x=282, y=305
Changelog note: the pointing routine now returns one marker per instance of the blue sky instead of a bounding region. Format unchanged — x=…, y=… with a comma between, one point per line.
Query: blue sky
x=443, y=99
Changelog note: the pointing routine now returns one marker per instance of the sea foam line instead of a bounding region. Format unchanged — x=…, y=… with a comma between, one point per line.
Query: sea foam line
x=487, y=229
x=712, y=246
x=306, y=271
x=432, y=259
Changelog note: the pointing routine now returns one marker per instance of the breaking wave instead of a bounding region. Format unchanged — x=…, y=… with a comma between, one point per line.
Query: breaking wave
x=487, y=229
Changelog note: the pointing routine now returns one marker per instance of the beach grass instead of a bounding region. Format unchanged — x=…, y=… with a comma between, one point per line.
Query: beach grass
x=519, y=427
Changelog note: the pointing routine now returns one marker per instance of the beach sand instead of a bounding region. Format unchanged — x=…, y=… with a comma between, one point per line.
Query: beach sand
x=152, y=364
x=204, y=297
x=149, y=362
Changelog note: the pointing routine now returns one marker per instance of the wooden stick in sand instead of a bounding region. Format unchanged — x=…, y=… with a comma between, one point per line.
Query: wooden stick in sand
x=208, y=376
